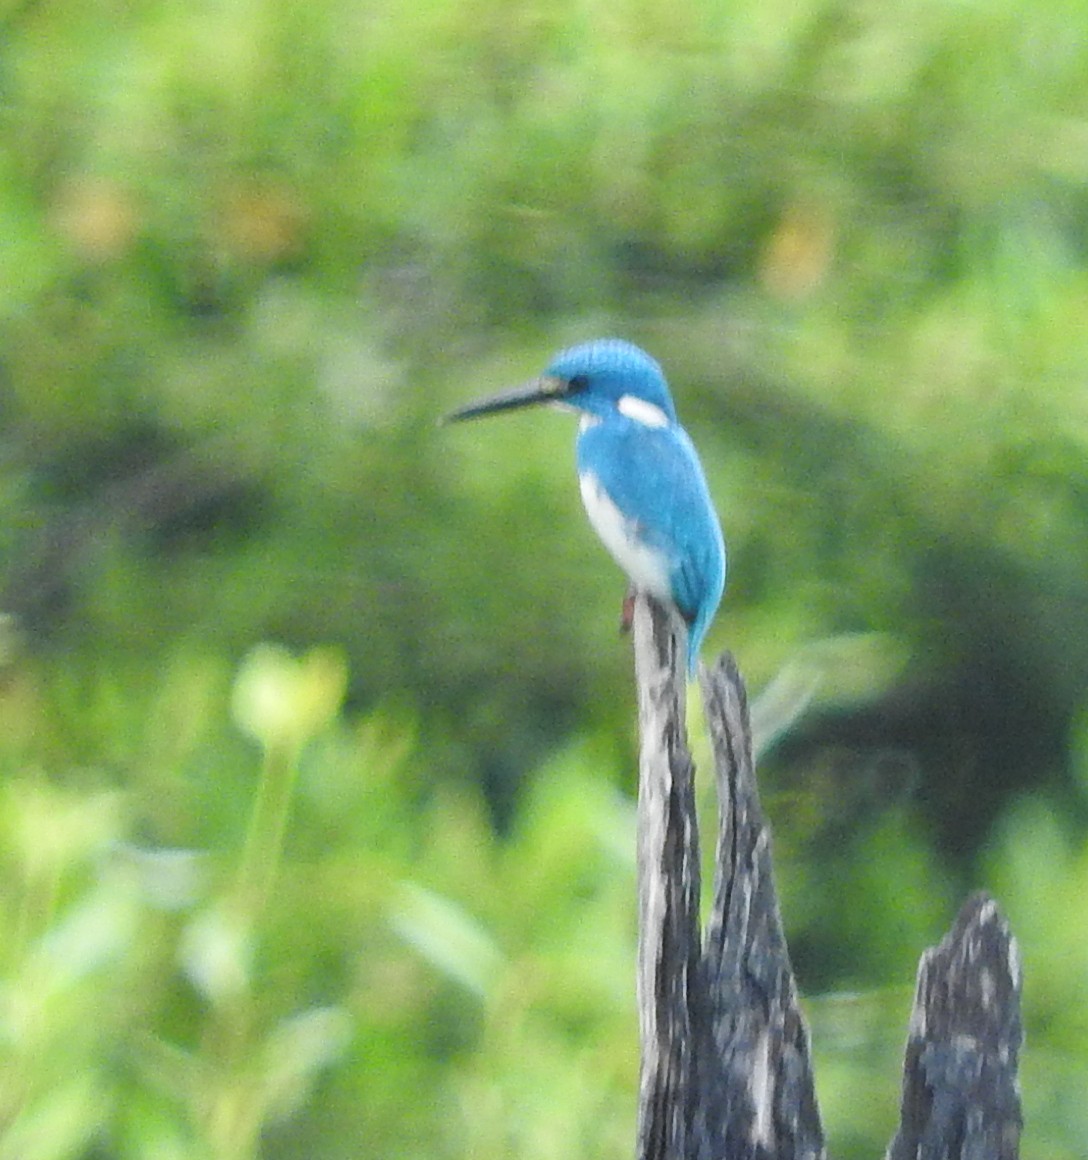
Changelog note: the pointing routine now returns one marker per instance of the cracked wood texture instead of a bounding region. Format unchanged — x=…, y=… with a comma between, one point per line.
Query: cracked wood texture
x=725, y=1065
x=961, y=1099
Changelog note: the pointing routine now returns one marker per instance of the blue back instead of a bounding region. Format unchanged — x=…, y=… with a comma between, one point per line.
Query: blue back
x=654, y=477
x=651, y=473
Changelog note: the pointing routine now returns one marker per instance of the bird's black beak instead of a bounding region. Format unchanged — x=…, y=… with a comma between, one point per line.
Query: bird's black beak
x=546, y=389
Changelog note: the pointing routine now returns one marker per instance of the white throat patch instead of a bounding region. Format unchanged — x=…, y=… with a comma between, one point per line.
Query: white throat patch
x=648, y=414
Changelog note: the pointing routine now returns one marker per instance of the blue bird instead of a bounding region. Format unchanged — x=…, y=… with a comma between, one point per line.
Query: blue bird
x=642, y=484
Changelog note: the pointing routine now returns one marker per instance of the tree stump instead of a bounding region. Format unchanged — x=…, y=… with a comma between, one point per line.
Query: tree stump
x=725, y=1069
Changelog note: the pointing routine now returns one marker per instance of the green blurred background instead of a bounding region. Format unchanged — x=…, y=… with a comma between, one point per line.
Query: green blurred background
x=316, y=731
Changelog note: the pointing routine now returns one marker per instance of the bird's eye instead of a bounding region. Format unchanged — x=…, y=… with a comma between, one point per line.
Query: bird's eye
x=577, y=383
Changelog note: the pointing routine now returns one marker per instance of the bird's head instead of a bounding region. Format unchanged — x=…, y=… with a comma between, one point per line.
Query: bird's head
x=600, y=378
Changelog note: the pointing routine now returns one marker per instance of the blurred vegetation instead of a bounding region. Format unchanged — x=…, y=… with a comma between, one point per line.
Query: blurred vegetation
x=316, y=835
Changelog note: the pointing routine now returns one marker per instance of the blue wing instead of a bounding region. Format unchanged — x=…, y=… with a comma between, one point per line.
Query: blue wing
x=653, y=476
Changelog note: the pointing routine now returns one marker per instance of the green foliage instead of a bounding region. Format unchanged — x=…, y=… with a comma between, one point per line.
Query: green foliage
x=377, y=898
x=162, y=999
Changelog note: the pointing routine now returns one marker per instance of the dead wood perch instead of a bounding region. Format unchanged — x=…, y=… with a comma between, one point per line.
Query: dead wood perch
x=725, y=1066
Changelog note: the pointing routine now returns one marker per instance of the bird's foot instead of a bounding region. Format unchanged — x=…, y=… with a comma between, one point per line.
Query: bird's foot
x=627, y=612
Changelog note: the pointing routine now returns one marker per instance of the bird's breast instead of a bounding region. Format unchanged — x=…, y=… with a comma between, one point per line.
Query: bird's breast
x=646, y=567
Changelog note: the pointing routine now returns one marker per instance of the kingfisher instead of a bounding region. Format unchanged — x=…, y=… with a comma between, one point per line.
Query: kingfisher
x=642, y=484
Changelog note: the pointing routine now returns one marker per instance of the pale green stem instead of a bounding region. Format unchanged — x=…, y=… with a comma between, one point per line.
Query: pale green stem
x=267, y=827
x=232, y=1120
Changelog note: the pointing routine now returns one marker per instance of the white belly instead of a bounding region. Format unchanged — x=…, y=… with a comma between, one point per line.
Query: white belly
x=646, y=568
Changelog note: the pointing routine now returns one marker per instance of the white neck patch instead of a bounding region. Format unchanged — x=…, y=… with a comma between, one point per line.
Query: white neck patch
x=648, y=414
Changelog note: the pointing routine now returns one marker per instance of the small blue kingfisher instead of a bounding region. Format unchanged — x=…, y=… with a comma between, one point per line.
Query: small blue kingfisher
x=642, y=484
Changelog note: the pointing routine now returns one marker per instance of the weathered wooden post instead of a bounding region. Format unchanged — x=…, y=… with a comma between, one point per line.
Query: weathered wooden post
x=725, y=1066
x=960, y=1092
